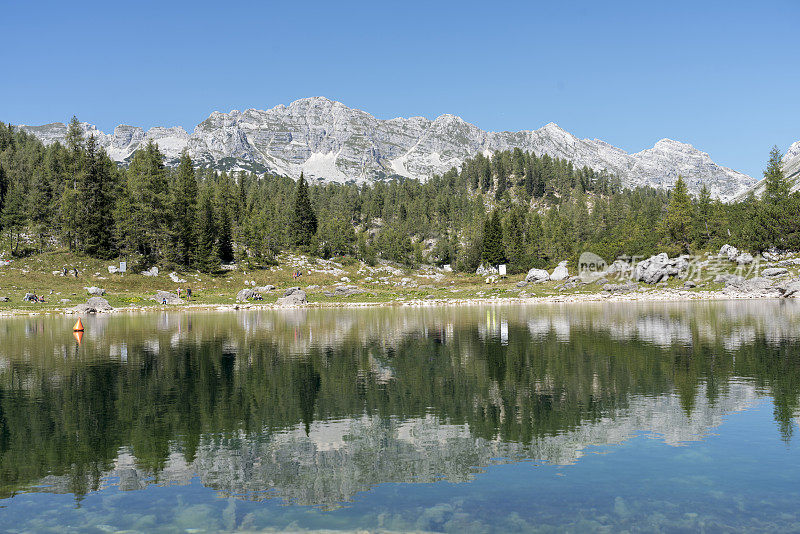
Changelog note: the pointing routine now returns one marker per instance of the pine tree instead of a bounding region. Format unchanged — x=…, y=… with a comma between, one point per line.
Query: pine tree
x=95, y=223
x=206, y=258
x=678, y=220
x=145, y=195
x=13, y=219
x=303, y=220
x=493, y=251
x=224, y=201
x=184, y=211
x=515, y=239
x=776, y=186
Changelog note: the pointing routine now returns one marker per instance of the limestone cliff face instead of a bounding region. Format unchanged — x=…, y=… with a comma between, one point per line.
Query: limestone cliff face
x=330, y=142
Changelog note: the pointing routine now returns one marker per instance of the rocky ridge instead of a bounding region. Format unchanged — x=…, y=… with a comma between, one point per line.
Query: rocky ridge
x=328, y=141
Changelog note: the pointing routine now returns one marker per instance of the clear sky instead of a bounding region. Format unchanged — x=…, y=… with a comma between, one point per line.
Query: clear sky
x=723, y=76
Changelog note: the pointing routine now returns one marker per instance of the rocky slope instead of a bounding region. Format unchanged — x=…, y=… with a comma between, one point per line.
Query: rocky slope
x=330, y=142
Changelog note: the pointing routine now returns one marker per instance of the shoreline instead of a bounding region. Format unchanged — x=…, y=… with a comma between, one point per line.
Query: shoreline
x=655, y=295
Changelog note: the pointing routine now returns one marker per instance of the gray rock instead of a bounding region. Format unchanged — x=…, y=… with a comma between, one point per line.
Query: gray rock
x=745, y=258
x=93, y=305
x=560, y=272
x=790, y=289
x=171, y=298
x=522, y=283
x=295, y=298
x=152, y=271
x=601, y=281
x=774, y=271
x=113, y=269
x=728, y=251
x=344, y=291
x=758, y=287
x=265, y=289
x=175, y=278
x=660, y=267
x=291, y=290
x=620, y=288
x=727, y=277
x=689, y=284
x=95, y=291
x=245, y=294
x=537, y=275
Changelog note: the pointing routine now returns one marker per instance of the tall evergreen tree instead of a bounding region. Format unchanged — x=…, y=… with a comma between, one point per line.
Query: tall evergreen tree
x=776, y=186
x=12, y=218
x=95, y=223
x=206, y=257
x=184, y=211
x=493, y=252
x=678, y=220
x=303, y=220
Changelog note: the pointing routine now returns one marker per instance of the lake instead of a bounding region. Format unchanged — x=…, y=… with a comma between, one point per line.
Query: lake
x=596, y=417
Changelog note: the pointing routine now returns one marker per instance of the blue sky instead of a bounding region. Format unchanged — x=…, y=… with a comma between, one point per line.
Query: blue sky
x=724, y=76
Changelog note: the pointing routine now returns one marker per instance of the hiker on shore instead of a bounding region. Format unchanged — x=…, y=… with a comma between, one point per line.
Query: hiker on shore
x=179, y=292
x=189, y=293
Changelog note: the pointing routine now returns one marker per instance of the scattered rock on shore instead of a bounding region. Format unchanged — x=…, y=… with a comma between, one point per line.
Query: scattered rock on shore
x=774, y=271
x=95, y=291
x=344, y=291
x=537, y=275
x=152, y=271
x=297, y=297
x=171, y=298
x=660, y=267
x=560, y=273
x=620, y=288
x=93, y=305
x=245, y=294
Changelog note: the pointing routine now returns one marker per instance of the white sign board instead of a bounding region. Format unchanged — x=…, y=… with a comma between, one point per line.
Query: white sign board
x=502, y=269
x=123, y=266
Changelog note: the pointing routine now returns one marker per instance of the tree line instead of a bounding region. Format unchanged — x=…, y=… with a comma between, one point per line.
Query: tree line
x=514, y=207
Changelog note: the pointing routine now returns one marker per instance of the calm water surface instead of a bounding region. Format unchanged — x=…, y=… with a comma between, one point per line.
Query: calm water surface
x=601, y=417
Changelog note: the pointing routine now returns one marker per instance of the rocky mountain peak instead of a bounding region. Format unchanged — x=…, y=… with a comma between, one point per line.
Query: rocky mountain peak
x=329, y=141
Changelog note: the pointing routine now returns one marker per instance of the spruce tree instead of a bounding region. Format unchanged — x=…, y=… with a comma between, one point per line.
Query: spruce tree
x=776, y=186
x=678, y=220
x=224, y=202
x=184, y=211
x=12, y=218
x=493, y=251
x=206, y=257
x=95, y=223
x=303, y=220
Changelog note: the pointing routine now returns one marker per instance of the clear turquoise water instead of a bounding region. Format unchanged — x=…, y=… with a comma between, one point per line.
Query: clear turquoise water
x=664, y=417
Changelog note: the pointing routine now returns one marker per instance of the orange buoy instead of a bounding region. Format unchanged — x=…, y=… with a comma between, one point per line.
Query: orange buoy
x=78, y=336
x=78, y=326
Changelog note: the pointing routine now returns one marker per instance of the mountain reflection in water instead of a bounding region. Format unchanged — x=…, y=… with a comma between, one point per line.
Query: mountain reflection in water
x=315, y=406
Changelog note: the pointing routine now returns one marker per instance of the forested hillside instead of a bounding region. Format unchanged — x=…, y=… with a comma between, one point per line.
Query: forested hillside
x=512, y=207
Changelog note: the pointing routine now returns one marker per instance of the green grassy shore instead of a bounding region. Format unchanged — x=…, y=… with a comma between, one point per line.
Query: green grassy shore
x=382, y=284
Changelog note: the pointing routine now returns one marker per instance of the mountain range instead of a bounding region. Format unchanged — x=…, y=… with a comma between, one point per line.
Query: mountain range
x=329, y=141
